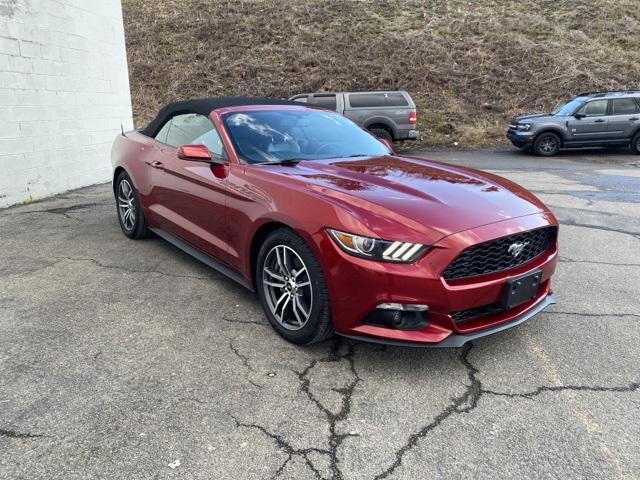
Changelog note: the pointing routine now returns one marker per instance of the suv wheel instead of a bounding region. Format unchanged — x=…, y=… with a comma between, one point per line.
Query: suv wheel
x=546, y=144
x=635, y=144
x=292, y=289
x=382, y=133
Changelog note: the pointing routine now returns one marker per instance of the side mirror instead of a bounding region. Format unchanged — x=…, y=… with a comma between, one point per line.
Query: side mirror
x=579, y=115
x=197, y=153
x=387, y=144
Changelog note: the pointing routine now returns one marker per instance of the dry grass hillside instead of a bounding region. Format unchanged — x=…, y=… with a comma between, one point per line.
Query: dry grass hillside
x=469, y=65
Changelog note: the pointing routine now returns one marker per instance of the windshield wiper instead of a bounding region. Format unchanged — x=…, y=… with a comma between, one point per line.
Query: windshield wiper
x=286, y=161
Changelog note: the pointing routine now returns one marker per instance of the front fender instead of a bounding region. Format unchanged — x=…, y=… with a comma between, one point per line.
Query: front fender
x=259, y=197
x=309, y=217
x=563, y=133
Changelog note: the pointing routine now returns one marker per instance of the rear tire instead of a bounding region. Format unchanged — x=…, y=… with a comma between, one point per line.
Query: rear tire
x=129, y=209
x=546, y=144
x=635, y=144
x=382, y=133
x=292, y=289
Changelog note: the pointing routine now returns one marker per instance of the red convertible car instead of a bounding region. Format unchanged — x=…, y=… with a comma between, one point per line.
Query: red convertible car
x=332, y=229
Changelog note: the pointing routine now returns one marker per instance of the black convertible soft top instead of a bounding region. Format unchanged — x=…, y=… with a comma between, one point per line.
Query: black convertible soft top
x=204, y=106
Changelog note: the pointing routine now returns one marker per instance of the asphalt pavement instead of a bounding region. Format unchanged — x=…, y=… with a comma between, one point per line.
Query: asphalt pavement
x=124, y=359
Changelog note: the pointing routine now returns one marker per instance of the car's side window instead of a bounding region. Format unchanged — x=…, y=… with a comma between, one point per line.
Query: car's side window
x=396, y=100
x=624, y=106
x=301, y=99
x=367, y=100
x=162, y=134
x=595, y=108
x=212, y=141
x=326, y=101
x=193, y=128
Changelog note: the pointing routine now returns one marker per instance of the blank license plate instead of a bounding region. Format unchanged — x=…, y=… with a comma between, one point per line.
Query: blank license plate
x=521, y=289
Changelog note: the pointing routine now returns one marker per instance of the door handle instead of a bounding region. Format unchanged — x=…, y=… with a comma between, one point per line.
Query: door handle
x=157, y=164
x=598, y=121
x=633, y=119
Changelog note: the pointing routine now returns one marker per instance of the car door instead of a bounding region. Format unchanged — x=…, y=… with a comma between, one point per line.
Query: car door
x=624, y=118
x=589, y=123
x=191, y=195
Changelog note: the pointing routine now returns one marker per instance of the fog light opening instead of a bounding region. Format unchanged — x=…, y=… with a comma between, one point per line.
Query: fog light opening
x=399, y=316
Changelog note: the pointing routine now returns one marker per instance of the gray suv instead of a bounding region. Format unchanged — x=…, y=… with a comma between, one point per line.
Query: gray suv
x=390, y=114
x=603, y=119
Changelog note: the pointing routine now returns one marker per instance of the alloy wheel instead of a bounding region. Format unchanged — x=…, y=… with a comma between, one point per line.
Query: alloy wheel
x=287, y=287
x=548, y=144
x=126, y=205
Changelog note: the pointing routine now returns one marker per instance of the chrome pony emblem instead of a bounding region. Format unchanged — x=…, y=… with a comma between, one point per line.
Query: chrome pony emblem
x=516, y=249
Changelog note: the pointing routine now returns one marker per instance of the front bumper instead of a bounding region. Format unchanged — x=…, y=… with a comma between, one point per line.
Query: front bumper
x=357, y=286
x=519, y=138
x=456, y=340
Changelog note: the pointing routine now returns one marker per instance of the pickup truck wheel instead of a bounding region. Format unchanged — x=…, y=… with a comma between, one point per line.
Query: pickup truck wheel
x=635, y=144
x=546, y=144
x=382, y=133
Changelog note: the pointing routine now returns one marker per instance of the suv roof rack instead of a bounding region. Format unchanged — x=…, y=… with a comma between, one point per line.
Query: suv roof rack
x=609, y=92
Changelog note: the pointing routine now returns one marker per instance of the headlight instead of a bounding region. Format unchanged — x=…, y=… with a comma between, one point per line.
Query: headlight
x=525, y=127
x=377, y=249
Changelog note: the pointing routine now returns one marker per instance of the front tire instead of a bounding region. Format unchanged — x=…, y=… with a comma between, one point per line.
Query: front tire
x=130, y=215
x=635, y=144
x=546, y=144
x=292, y=289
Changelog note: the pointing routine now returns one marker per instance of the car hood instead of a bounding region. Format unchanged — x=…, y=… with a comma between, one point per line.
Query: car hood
x=537, y=117
x=394, y=195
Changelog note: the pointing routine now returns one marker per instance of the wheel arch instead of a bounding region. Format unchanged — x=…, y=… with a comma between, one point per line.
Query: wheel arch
x=116, y=173
x=557, y=131
x=382, y=122
x=257, y=240
x=269, y=225
x=634, y=135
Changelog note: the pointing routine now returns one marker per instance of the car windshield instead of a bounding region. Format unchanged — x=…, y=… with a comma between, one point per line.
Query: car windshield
x=289, y=135
x=568, y=108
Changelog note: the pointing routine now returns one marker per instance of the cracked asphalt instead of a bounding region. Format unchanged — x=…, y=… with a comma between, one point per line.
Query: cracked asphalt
x=125, y=359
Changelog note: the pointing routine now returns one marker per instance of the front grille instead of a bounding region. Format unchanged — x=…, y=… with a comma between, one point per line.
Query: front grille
x=497, y=255
x=471, y=313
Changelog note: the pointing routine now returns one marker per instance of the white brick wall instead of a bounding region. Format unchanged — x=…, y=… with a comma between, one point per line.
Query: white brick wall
x=64, y=91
